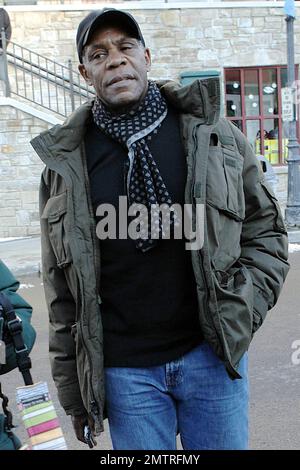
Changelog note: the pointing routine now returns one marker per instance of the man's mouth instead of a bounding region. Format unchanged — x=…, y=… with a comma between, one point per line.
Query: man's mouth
x=120, y=78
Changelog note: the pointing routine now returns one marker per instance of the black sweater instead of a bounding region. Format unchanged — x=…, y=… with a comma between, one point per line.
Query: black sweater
x=149, y=301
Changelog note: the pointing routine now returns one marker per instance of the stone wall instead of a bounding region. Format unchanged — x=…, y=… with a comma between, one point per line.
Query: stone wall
x=179, y=38
x=20, y=171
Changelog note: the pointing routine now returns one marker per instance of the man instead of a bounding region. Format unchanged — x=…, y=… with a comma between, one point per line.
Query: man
x=147, y=330
x=8, y=361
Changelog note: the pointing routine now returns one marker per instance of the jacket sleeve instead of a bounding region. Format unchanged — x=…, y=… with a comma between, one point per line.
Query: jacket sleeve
x=62, y=314
x=9, y=286
x=264, y=241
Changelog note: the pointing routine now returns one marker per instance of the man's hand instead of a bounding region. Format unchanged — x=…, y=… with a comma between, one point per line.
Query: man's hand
x=79, y=422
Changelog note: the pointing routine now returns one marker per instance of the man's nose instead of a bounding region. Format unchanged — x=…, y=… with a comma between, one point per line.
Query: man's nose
x=115, y=59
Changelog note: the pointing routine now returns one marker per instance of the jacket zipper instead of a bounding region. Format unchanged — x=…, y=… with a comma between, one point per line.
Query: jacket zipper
x=93, y=225
x=96, y=251
x=193, y=201
x=93, y=402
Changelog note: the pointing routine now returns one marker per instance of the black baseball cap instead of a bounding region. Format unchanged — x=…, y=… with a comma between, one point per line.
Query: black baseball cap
x=93, y=20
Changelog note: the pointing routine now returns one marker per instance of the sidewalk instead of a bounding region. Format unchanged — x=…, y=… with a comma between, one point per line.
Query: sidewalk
x=294, y=236
x=23, y=256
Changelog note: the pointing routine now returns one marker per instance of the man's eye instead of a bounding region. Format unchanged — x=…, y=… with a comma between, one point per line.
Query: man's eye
x=99, y=55
x=129, y=46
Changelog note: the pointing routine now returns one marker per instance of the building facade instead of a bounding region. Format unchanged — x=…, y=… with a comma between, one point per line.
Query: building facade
x=244, y=42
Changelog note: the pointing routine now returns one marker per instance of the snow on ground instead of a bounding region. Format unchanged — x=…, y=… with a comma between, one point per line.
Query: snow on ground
x=294, y=247
x=10, y=239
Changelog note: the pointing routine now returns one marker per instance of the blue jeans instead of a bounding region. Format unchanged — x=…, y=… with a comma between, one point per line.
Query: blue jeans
x=192, y=395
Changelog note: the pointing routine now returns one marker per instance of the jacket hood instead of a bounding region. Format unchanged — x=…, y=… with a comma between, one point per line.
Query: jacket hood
x=200, y=99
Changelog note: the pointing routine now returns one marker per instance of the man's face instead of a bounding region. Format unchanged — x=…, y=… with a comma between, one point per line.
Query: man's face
x=116, y=65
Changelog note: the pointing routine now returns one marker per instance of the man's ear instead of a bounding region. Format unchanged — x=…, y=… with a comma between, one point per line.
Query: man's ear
x=84, y=74
x=148, y=58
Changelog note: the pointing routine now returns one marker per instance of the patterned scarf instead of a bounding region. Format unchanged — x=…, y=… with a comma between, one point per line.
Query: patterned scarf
x=143, y=180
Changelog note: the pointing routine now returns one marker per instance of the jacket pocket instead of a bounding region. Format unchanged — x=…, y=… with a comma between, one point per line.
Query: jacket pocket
x=55, y=212
x=225, y=208
x=234, y=293
x=224, y=181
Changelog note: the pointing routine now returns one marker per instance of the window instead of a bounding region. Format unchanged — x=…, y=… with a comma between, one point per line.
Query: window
x=253, y=103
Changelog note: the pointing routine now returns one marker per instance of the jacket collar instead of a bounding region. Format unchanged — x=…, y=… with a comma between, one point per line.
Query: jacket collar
x=200, y=99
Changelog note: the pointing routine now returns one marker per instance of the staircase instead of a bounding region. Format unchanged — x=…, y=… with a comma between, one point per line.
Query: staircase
x=41, y=82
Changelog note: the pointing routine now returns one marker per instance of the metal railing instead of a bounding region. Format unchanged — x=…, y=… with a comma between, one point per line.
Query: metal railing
x=42, y=81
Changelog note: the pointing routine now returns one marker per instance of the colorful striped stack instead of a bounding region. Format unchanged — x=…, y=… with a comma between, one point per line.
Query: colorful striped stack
x=40, y=417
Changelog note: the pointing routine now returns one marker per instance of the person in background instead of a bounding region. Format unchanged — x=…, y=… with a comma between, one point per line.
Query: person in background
x=4, y=25
x=269, y=172
x=8, y=288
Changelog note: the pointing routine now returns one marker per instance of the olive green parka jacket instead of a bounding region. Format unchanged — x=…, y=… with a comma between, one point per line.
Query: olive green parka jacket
x=239, y=270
